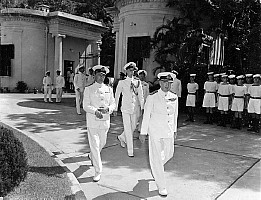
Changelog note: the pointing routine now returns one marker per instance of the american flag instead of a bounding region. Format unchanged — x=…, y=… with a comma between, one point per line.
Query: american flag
x=217, y=52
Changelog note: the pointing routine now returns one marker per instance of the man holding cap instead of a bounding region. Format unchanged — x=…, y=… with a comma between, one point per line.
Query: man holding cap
x=98, y=103
x=132, y=97
x=79, y=85
x=160, y=123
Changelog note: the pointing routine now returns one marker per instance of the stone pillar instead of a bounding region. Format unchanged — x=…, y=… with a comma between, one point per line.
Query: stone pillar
x=116, y=64
x=58, y=53
x=99, y=42
x=121, y=49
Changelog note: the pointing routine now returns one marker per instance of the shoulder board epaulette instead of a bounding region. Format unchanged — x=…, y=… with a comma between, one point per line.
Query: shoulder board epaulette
x=172, y=92
x=90, y=84
x=154, y=92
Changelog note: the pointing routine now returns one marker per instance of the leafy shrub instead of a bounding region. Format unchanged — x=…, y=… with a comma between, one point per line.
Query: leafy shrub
x=13, y=161
x=21, y=86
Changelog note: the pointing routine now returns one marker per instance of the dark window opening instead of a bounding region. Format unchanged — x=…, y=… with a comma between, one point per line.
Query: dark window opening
x=6, y=54
x=138, y=48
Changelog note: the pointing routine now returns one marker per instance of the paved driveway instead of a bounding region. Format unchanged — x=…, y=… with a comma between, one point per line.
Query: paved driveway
x=210, y=162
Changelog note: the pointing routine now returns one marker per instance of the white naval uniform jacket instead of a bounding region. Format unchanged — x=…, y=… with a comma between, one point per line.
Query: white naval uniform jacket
x=131, y=96
x=47, y=81
x=59, y=82
x=80, y=81
x=96, y=96
x=160, y=115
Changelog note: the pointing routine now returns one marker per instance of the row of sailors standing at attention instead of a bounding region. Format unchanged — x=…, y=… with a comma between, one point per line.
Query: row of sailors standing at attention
x=230, y=97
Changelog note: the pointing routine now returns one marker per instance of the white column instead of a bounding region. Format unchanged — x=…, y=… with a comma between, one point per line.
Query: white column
x=121, y=49
x=116, y=64
x=99, y=42
x=58, y=53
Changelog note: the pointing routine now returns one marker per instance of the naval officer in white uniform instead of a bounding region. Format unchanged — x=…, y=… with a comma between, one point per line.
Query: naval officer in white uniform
x=98, y=103
x=160, y=123
x=132, y=97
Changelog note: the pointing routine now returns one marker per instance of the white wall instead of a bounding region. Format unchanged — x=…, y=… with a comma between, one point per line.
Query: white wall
x=28, y=63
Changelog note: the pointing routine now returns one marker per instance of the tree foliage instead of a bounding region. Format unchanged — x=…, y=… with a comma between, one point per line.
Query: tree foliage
x=238, y=20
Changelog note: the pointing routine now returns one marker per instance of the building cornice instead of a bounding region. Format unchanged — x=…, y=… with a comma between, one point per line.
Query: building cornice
x=121, y=3
x=48, y=16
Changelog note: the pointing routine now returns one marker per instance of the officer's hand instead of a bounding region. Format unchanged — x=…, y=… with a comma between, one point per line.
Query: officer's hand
x=98, y=114
x=78, y=89
x=115, y=113
x=104, y=110
x=175, y=135
x=142, y=138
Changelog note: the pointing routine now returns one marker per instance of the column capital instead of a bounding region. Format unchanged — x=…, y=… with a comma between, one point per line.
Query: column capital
x=58, y=35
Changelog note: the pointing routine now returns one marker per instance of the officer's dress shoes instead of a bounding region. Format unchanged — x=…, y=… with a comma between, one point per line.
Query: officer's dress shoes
x=163, y=192
x=130, y=155
x=123, y=145
x=97, y=177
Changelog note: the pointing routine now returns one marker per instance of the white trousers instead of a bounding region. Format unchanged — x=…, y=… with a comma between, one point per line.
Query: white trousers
x=79, y=100
x=139, y=118
x=160, y=152
x=59, y=93
x=48, y=91
x=129, y=124
x=97, y=140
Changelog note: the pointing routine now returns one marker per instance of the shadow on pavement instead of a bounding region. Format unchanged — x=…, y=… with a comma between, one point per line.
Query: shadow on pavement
x=205, y=155
x=142, y=189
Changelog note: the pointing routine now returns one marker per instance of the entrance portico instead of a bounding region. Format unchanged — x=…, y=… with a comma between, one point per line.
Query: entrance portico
x=44, y=41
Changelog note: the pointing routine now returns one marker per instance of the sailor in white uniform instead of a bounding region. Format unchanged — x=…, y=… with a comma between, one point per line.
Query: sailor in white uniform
x=145, y=89
x=254, y=105
x=98, y=103
x=160, y=123
x=59, y=85
x=79, y=85
x=48, y=84
x=132, y=97
x=176, y=85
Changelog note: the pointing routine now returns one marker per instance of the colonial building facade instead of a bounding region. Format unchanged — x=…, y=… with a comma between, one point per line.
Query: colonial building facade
x=135, y=22
x=34, y=41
